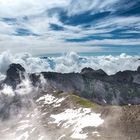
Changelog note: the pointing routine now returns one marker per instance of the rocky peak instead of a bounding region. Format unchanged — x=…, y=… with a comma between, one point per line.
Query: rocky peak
x=91, y=72
x=87, y=70
x=15, y=73
x=95, y=85
x=101, y=72
x=15, y=70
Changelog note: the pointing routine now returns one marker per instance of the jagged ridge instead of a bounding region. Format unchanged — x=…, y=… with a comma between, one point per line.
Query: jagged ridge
x=118, y=89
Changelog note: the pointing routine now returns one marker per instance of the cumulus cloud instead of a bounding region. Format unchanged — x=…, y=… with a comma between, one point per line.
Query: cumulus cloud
x=70, y=62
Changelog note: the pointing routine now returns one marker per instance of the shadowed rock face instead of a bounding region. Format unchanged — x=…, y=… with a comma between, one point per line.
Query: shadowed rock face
x=35, y=114
x=15, y=74
x=138, y=70
x=87, y=71
x=95, y=85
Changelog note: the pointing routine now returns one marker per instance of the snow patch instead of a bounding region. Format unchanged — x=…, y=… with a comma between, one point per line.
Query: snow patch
x=95, y=133
x=61, y=137
x=7, y=90
x=79, y=119
x=49, y=99
x=23, y=127
x=24, y=136
x=41, y=138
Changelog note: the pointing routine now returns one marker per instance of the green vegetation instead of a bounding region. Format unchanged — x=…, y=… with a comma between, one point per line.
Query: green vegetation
x=84, y=102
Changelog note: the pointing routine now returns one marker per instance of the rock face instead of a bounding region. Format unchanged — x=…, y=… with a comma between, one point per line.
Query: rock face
x=138, y=70
x=15, y=74
x=41, y=114
x=95, y=85
x=52, y=116
x=91, y=71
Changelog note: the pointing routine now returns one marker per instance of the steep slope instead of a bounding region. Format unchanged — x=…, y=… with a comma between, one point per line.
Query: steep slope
x=71, y=106
x=69, y=117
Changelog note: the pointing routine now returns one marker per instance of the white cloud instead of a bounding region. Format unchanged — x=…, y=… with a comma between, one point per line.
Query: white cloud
x=16, y=8
x=78, y=7
x=71, y=62
x=51, y=41
x=6, y=29
x=38, y=45
x=115, y=42
x=119, y=22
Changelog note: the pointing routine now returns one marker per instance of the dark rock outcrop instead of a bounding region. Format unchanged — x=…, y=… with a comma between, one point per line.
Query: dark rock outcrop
x=93, y=72
x=95, y=85
x=87, y=70
x=138, y=69
x=15, y=74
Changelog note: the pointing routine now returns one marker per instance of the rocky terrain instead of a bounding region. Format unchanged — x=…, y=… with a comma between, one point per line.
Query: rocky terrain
x=69, y=117
x=121, y=88
x=89, y=105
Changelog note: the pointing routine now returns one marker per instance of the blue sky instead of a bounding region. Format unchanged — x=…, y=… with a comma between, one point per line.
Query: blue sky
x=58, y=26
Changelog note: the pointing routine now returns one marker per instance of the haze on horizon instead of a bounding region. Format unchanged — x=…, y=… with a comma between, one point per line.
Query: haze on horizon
x=58, y=26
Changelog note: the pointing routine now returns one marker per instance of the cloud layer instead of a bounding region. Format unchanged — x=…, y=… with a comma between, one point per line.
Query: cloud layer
x=54, y=26
x=70, y=62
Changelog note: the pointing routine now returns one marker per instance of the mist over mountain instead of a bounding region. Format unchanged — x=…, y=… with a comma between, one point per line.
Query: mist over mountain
x=71, y=105
x=70, y=62
x=69, y=69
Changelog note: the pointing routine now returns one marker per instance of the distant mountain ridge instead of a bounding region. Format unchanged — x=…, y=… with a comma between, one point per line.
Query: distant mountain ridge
x=83, y=105
x=119, y=89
